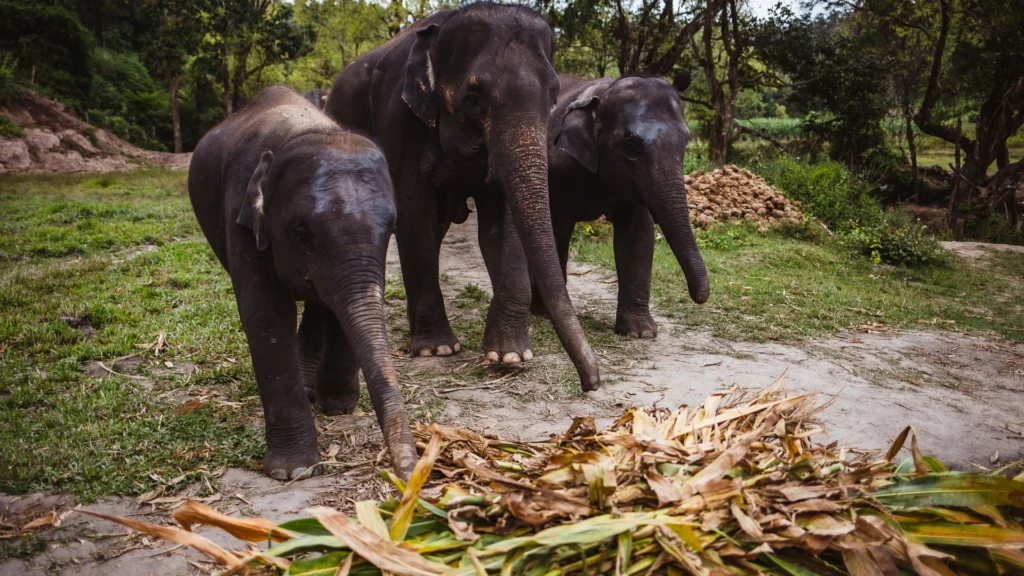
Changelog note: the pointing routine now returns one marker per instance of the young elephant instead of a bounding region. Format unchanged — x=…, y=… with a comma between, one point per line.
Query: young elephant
x=296, y=208
x=616, y=150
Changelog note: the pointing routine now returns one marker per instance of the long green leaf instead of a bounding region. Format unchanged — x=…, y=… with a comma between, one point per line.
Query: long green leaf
x=309, y=526
x=790, y=568
x=305, y=544
x=964, y=535
x=325, y=565
x=957, y=489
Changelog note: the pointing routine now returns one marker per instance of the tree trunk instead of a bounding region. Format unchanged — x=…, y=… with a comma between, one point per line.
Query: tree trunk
x=173, y=87
x=915, y=179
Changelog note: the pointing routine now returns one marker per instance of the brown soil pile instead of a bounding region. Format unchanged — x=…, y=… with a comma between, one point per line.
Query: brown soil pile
x=732, y=193
x=57, y=141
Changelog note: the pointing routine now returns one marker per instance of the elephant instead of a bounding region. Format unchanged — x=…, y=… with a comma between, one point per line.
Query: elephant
x=298, y=209
x=459, y=103
x=616, y=150
x=317, y=97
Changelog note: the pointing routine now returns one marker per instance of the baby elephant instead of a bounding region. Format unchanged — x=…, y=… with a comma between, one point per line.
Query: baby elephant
x=296, y=208
x=616, y=150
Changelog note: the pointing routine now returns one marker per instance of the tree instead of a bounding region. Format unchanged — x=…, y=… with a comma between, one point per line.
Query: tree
x=639, y=36
x=175, y=36
x=248, y=36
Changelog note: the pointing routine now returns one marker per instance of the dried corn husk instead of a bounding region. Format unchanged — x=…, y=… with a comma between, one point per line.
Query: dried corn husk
x=734, y=486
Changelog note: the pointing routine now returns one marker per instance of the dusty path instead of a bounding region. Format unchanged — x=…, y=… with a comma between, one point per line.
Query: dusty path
x=962, y=394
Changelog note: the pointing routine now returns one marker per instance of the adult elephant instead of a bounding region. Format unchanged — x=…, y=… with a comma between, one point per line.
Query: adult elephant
x=617, y=149
x=459, y=104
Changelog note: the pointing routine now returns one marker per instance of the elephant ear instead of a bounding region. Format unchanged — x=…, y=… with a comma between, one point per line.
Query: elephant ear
x=251, y=215
x=577, y=135
x=419, y=92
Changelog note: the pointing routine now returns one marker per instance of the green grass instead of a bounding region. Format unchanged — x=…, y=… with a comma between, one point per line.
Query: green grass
x=65, y=430
x=775, y=287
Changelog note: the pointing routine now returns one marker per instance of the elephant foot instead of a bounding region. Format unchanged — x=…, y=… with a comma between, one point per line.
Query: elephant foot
x=509, y=347
x=635, y=325
x=424, y=345
x=292, y=461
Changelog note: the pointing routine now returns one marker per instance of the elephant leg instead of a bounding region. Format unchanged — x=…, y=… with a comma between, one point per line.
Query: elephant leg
x=563, y=237
x=267, y=310
x=506, y=337
x=419, y=245
x=311, y=346
x=634, y=256
x=337, y=385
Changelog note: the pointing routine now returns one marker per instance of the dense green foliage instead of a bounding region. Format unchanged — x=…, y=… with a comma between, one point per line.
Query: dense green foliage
x=829, y=191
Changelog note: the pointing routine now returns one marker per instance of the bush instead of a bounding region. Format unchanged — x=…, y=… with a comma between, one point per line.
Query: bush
x=9, y=129
x=897, y=238
x=8, y=68
x=828, y=191
x=825, y=189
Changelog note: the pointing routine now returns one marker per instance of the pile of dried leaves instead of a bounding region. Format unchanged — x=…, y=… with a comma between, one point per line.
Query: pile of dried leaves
x=735, y=486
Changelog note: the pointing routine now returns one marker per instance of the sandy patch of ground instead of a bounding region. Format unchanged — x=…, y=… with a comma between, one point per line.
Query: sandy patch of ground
x=973, y=250
x=961, y=393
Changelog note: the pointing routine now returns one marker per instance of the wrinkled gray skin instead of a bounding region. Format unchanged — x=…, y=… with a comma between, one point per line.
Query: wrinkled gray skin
x=617, y=151
x=459, y=104
x=317, y=97
x=295, y=208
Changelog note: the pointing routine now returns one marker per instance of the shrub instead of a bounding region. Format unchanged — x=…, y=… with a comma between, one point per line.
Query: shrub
x=8, y=68
x=897, y=238
x=830, y=192
x=825, y=189
x=9, y=129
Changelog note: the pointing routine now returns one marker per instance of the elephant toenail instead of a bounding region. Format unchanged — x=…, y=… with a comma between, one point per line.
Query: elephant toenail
x=444, y=351
x=528, y=355
x=424, y=352
x=278, y=474
x=457, y=347
x=510, y=358
x=492, y=356
x=297, y=472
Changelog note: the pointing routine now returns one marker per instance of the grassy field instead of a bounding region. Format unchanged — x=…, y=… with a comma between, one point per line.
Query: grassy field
x=777, y=286
x=113, y=270
x=94, y=269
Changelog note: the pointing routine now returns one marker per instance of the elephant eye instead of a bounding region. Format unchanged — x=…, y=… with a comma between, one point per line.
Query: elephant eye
x=471, y=104
x=303, y=237
x=633, y=147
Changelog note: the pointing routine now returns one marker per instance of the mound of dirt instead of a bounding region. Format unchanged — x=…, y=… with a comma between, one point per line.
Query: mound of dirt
x=733, y=193
x=57, y=141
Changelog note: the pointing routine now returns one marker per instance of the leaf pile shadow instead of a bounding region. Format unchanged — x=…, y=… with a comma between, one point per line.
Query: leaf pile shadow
x=735, y=486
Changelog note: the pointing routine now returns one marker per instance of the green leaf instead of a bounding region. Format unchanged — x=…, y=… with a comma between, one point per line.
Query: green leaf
x=974, y=535
x=309, y=526
x=791, y=569
x=326, y=565
x=305, y=544
x=959, y=489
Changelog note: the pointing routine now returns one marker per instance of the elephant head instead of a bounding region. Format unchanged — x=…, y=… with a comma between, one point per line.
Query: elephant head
x=484, y=80
x=326, y=213
x=632, y=134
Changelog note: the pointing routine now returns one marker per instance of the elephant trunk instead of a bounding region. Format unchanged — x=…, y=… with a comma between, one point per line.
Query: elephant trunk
x=520, y=141
x=669, y=207
x=357, y=299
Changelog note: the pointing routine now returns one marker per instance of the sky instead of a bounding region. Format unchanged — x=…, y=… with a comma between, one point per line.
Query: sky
x=761, y=7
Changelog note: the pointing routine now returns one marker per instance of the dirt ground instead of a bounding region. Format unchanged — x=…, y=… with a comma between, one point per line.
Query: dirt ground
x=962, y=393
